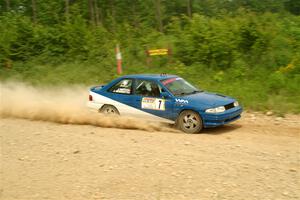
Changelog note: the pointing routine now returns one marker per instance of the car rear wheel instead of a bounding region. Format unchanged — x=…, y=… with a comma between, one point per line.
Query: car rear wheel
x=109, y=110
x=190, y=122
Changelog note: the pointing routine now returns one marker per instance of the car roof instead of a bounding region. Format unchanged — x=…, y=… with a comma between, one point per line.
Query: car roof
x=150, y=76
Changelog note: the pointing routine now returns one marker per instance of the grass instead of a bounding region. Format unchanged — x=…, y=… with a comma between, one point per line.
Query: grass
x=253, y=89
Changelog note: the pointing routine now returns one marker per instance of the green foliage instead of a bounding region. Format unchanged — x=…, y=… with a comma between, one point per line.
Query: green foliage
x=293, y=6
x=247, y=49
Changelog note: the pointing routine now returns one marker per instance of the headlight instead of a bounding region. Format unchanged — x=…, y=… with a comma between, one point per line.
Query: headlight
x=215, y=110
x=236, y=103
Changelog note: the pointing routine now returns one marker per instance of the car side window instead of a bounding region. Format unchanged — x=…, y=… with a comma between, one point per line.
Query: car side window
x=122, y=87
x=147, y=88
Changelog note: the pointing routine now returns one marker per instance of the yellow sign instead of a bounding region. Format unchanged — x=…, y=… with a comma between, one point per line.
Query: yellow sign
x=158, y=52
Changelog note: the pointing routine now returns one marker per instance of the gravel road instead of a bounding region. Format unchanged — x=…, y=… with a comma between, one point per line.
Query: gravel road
x=254, y=158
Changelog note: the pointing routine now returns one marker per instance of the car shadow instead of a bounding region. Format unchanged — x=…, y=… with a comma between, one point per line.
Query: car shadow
x=221, y=129
x=211, y=131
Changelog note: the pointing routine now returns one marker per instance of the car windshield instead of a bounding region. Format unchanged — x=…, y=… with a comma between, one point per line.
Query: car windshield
x=179, y=86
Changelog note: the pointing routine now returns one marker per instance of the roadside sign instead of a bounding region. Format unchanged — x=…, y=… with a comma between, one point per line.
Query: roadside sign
x=158, y=52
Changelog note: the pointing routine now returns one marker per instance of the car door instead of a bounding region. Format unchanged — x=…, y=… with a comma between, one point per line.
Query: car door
x=121, y=95
x=149, y=99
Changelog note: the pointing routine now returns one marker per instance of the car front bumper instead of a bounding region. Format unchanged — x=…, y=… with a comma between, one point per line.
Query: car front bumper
x=218, y=119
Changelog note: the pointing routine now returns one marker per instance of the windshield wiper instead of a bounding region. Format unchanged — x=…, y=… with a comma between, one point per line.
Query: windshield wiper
x=183, y=93
x=188, y=93
x=195, y=91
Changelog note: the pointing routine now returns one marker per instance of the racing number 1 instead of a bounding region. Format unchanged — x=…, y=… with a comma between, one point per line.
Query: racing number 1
x=159, y=104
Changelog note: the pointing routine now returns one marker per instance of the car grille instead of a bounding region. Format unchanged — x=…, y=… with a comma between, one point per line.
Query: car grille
x=229, y=106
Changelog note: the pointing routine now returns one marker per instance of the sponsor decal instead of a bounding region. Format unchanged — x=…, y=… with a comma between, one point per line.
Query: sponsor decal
x=170, y=80
x=122, y=91
x=181, y=101
x=153, y=103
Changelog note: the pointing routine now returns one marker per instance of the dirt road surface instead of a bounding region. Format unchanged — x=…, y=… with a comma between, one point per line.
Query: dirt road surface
x=254, y=158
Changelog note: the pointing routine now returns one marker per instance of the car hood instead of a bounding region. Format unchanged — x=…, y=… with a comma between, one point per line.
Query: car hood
x=208, y=100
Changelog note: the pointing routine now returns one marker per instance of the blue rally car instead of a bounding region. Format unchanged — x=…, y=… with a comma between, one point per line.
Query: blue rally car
x=164, y=98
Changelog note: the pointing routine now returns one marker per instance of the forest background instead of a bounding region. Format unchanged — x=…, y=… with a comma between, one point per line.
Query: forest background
x=248, y=49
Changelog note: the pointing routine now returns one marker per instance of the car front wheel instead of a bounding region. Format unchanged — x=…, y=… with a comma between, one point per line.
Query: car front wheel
x=189, y=122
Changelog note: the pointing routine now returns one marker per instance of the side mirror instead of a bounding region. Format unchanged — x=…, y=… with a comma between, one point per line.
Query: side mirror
x=165, y=95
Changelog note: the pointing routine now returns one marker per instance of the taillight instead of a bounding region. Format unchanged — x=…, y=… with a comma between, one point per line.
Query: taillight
x=90, y=98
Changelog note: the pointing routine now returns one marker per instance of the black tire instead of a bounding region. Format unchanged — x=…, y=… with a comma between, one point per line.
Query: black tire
x=109, y=110
x=189, y=122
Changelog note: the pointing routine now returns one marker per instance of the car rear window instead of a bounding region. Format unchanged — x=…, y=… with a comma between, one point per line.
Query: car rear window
x=122, y=87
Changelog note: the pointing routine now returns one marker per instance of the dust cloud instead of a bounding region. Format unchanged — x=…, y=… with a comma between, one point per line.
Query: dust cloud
x=65, y=105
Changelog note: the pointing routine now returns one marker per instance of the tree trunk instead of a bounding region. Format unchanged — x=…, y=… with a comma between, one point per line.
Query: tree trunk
x=189, y=8
x=67, y=6
x=112, y=7
x=158, y=15
x=7, y=5
x=113, y=15
x=91, y=11
x=98, y=16
x=33, y=6
x=135, y=15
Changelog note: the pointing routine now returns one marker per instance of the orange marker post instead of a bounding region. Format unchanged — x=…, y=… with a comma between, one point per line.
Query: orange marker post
x=119, y=59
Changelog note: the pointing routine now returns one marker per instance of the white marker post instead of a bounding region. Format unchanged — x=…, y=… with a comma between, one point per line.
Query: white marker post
x=119, y=59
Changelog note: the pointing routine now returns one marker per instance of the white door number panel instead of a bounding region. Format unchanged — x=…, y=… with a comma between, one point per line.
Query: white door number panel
x=153, y=103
